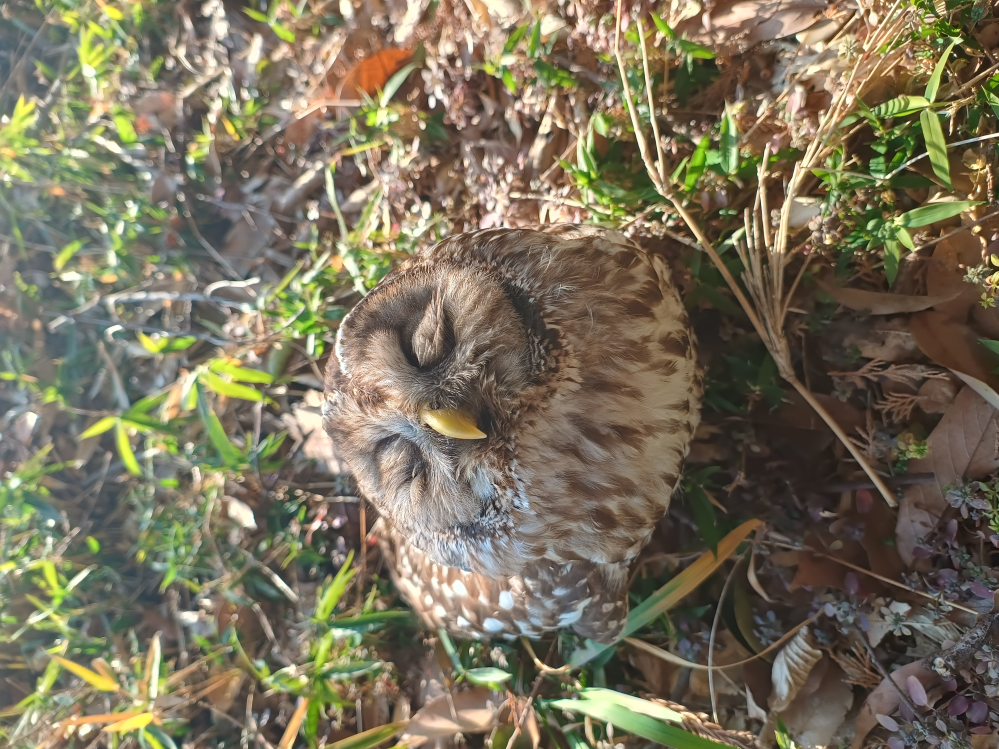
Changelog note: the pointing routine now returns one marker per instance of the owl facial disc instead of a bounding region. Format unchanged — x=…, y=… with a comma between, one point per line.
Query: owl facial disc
x=452, y=422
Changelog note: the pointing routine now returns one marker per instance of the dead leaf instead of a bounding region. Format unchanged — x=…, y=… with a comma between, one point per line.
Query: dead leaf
x=878, y=303
x=962, y=445
x=887, y=340
x=372, y=73
x=477, y=711
x=750, y=22
x=240, y=513
x=792, y=667
x=946, y=270
x=957, y=347
x=813, y=717
x=885, y=699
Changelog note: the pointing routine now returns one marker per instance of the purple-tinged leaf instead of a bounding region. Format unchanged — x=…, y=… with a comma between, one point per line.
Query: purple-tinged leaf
x=887, y=721
x=916, y=691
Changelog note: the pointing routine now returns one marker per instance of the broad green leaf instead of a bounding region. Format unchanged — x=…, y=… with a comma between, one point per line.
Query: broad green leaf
x=694, y=50
x=125, y=449
x=868, y=114
x=993, y=101
x=164, y=739
x=230, y=389
x=663, y=27
x=229, y=453
x=126, y=133
x=901, y=105
x=392, y=84
x=66, y=253
x=729, y=142
x=936, y=145
x=102, y=683
x=992, y=346
x=486, y=676
x=145, y=405
x=330, y=597
x=283, y=32
x=934, y=83
x=508, y=81
x=152, y=345
x=696, y=166
x=535, y=41
x=893, y=256
x=672, y=592
x=371, y=737
x=635, y=704
x=514, y=39
x=903, y=236
x=256, y=15
x=100, y=427
x=930, y=214
x=239, y=373
x=51, y=577
x=704, y=516
x=637, y=724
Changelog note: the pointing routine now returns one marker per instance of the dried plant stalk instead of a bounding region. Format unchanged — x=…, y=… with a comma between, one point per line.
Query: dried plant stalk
x=763, y=253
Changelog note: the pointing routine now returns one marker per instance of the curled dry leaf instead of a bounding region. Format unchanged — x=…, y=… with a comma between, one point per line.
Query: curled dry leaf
x=746, y=23
x=372, y=73
x=957, y=347
x=792, y=667
x=885, y=699
x=240, y=513
x=813, y=717
x=963, y=445
x=477, y=711
x=878, y=303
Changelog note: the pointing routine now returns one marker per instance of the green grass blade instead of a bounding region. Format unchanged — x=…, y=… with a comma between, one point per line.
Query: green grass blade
x=637, y=724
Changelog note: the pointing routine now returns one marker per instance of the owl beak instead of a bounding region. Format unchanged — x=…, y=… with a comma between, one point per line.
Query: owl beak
x=452, y=423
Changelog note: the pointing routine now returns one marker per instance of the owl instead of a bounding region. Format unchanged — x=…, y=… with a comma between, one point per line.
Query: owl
x=517, y=405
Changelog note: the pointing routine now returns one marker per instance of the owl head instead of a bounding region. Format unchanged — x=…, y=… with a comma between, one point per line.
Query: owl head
x=422, y=399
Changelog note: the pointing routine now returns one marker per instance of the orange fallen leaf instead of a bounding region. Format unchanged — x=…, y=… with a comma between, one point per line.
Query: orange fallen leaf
x=372, y=73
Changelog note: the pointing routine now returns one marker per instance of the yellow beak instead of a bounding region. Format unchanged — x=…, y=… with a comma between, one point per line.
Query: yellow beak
x=452, y=423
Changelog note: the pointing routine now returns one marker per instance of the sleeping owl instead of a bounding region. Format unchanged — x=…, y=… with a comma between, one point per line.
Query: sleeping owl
x=517, y=405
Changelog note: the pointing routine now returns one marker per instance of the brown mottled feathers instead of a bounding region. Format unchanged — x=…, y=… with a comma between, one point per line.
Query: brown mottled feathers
x=572, y=350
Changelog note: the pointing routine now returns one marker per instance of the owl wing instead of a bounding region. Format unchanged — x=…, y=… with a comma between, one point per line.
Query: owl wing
x=591, y=599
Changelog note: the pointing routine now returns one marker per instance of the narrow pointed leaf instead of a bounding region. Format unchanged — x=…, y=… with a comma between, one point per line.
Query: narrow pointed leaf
x=100, y=427
x=102, y=683
x=231, y=389
x=900, y=106
x=371, y=737
x=130, y=724
x=729, y=142
x=125, y=449
x=637, y=724
x=936, y=145
x=930, y=214
x=934, y=83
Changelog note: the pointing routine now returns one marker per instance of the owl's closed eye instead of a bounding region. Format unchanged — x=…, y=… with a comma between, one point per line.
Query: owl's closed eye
x=514, y=398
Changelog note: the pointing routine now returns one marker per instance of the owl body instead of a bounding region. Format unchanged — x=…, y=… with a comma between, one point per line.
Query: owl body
x=569, y=349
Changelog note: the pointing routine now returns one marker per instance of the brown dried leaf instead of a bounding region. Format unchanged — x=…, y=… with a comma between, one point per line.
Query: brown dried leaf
x=946, y=270
x=372, y=73
x=792, y=666
x=477, y=711
x=885, y=699
x=747, y=23
x=962, y=445
x=878, y=303
x=957, y=347
x=812, y=718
